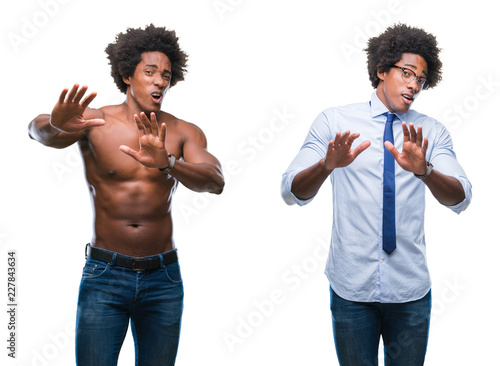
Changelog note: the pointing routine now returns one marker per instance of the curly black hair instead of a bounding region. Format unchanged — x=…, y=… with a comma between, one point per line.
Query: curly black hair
x=126, y=53
x=386, y=49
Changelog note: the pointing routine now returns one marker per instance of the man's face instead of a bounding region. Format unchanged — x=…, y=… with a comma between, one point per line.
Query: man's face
x=150, y=81
x=397, y=94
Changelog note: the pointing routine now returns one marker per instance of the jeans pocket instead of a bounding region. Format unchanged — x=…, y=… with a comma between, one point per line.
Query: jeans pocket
x=93, y=270
x=173, y=272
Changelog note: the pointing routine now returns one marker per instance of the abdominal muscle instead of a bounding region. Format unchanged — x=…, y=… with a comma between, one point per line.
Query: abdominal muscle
x=133, y=217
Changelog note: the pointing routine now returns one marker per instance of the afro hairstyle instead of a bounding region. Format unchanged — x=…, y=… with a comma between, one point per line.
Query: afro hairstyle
x=386, y=49
x=126, y=53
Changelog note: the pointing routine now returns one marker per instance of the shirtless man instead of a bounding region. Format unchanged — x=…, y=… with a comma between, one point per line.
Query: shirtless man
x=132, y=168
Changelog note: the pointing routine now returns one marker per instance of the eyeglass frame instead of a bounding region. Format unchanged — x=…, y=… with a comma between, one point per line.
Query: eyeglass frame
x=424, y=85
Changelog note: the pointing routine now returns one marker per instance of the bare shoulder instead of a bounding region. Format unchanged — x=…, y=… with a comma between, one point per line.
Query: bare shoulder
x=187, y=130
x=91, y=113
x=109, y=110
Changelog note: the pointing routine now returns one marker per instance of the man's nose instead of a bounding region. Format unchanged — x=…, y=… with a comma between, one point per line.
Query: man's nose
x=159, y=81
x=414, y=84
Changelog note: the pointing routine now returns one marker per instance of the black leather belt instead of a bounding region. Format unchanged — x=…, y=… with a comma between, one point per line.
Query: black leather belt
x=137, y=263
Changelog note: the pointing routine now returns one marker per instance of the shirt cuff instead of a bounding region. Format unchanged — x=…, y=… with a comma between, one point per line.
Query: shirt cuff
x=286, y=190
x=461, y=206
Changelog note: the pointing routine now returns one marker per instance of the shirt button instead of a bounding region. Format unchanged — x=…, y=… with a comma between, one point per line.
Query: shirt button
x=381, y=261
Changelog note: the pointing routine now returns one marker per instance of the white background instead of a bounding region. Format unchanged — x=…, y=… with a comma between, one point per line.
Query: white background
x=249, y=60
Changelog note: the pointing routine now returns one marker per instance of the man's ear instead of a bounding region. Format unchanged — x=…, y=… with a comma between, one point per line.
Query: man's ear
x=381, y=75
x=126, y=80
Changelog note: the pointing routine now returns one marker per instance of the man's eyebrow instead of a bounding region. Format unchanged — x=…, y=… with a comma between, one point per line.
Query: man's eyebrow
x=414, y=67
x=156, y=67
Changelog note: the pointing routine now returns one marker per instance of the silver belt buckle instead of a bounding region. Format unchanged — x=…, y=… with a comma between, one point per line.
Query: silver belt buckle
x=138, y=260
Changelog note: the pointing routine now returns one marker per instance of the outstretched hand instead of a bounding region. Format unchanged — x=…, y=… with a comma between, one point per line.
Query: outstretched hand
x=67, y=115
x=412, y=158
x=152, y=152
x=340, y=154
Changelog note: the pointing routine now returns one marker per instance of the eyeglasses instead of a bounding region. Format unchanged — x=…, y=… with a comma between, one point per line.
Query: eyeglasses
x=409, y=75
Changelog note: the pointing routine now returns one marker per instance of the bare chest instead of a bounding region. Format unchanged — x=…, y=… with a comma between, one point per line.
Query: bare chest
x=103, y=157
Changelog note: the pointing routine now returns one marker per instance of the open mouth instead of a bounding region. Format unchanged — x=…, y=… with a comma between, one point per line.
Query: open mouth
x=408, y=98
x=156, y=97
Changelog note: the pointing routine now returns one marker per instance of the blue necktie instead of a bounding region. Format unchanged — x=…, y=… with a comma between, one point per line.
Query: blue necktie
x=389, y=204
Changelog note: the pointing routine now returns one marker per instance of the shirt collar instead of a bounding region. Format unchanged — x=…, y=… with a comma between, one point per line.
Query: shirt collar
x=378, y=108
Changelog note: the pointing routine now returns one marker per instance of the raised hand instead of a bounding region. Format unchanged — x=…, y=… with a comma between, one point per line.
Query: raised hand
x=412, y=158
x=152, y=152
x=67, y=115
x=340, y=154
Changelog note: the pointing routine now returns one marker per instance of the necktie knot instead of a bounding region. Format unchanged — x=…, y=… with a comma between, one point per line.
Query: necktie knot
x=390, y=117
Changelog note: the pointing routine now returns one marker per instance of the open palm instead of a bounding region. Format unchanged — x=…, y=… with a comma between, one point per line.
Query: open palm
x=413, y=156
x=152, y=152
x=67, y=115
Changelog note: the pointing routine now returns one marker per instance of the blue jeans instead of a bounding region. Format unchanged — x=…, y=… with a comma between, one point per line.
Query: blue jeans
x=357, y=327
x=111, y=296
